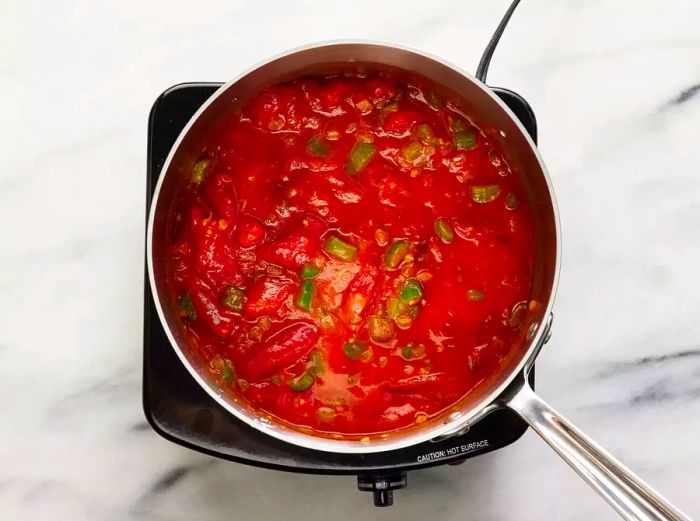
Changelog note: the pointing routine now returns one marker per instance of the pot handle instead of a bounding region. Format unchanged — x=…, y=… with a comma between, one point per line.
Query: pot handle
x=633, y=499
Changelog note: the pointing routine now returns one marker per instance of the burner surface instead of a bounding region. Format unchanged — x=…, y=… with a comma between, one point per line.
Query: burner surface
x=182, y=412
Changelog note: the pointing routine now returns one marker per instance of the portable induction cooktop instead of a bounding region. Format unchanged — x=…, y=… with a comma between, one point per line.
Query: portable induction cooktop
x=182, y=412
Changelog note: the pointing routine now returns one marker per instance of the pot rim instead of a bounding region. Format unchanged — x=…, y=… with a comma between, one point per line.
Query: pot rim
x=456, y=421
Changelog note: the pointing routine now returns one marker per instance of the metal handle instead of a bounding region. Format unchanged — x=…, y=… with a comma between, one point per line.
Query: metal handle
x=633, y=499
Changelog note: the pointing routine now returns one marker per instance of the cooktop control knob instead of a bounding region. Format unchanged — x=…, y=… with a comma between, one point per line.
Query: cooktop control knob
x=382, y=486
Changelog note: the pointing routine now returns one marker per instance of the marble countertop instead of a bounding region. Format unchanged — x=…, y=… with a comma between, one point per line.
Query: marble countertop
x=616, y=88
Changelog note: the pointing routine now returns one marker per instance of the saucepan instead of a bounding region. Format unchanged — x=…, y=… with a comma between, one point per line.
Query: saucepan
x=632, y=498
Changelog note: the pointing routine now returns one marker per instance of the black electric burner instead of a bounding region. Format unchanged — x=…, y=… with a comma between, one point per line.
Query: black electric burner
x=182, y=412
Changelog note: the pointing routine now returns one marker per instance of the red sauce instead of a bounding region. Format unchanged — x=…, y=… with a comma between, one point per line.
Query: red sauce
x=353, y=254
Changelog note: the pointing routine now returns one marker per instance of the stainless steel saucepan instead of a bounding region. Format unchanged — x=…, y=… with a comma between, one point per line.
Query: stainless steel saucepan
x=632, y=498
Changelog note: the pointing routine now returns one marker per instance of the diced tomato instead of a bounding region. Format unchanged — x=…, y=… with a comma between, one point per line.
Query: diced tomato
x=181, y=262
x=267, y=295
x=402, y=122
x=281, y=349
x=213, y=256
x=201, y=224
x=298, y=246
x=381, y=90
x=359, y=294
x=217, y=263
x=334, y=94
x=250, y=231
x=276, y=109
x=220, y=319
x=220, y=194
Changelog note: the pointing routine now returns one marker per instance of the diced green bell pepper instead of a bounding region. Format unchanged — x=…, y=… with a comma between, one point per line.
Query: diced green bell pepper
x=302, y=382
x=360, y=156
x=475, y=295
x=485, y=193
x=199, y=170
x=318, y=147
x=354, y=350
x=412, y=292
x=233, y=298
x=465, y=139
x=187, y=307
x=305, y=295
x=444, y=230
x=310, y=270
x=396, y=253
x=339, y=249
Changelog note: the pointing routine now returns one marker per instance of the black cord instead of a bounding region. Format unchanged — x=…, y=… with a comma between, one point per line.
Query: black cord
x=483, y=68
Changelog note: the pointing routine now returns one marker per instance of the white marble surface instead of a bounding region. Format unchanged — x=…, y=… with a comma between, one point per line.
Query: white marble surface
x=605, y=77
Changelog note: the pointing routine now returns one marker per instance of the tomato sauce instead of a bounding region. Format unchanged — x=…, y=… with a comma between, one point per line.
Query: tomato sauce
x=353, y=254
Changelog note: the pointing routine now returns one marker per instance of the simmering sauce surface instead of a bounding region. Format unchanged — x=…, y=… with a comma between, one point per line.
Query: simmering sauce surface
x=352, y=254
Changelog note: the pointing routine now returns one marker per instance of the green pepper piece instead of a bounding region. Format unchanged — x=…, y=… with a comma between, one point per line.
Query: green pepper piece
x=354, y=350
x=199, y=170
x=325, y=414
x=425, y=134
x=393, y=307
x=364, y=106
x=224, y=369
x=512, y=201
x=339, y=249
x=227, y=374
x=412, y=151
x=381, y=329
x=483, y=194
x=444, y=230
x=187, y=307
x=360, y=156
x=396, y=253
x=317, y=364
x=233, y=298
x=318, y=147
x=412, y=292
x=305, y=294
x=475, y=295
x=310, y=270
x=302, y=382
x=406, y=317
x=411, y=351
x=465, y=139
x=391, y=107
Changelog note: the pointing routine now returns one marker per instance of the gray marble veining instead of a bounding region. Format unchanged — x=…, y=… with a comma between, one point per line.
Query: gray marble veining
x=616, y=88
